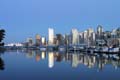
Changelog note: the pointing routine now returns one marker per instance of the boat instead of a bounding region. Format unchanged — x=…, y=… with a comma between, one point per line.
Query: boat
x=43, y=48
x=107, y=50
x=62, y=48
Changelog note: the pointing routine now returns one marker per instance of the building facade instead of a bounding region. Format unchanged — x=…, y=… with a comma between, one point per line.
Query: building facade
x=75, y=37
x=50, y=36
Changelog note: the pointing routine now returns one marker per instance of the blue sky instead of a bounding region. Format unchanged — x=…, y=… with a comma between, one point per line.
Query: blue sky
x=25, y=18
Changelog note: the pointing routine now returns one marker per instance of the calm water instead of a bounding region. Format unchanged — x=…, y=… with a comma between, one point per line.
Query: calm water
x=36, y=65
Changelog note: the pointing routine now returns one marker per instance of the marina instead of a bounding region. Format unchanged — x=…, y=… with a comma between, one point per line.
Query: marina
x=71, y=49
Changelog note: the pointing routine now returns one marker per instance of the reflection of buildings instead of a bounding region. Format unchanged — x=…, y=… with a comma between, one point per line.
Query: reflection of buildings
x=37, y=57
x=58, y=57
x=50, y=59
x=91, y=61
x=75, y=59
x=43, y=55
x=38, y=53
x=30, y=53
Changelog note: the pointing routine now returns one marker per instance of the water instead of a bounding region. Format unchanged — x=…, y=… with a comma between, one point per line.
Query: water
x=36, y=65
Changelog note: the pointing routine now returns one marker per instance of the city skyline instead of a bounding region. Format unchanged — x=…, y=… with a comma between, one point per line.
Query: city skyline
x=51, y=34
x=20, y=37
x=23, y=18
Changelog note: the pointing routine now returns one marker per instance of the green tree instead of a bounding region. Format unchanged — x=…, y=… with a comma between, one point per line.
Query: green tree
x=1, y=64
x=2, y=36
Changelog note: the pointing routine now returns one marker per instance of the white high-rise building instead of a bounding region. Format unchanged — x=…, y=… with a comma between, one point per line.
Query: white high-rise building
x=90, y=31
x=85, y=35
x=75, y=37
x=114, y=33
x=93, y=36
x=99, y=30
x=43, y=41
x=50, y=36
x=81, y=37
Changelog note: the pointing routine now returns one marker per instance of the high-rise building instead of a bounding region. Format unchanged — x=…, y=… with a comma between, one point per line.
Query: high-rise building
x=85, y=36
x=50, y=36
x=75, y=37
x=99, y=31
x=93, y=37
x=29, y=42
x=66, y=39
x=81, y=37
x=38, y=40
x=43, y=41
x=90, y=31
x=114, y=33
x=70, y=39
x=60, y=39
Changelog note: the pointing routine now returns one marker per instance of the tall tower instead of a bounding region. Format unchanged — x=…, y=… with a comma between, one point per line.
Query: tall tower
x=99, y=31
x=43, y=40
x=75, y=37
x=38, y=40
x=90, y=31
x=50, y=36
x=30, y=41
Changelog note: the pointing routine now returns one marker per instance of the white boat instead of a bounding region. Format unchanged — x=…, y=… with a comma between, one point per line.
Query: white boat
x=105, y=49
x=62, y=49
x=114, y=49
x=43, y=48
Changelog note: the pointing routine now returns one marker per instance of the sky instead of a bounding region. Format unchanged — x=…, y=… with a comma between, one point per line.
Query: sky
x=26, y=18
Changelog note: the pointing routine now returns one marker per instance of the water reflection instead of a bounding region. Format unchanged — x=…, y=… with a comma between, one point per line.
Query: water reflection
x=97, y=61
x=38, y=55
x=1, y=64
x=30, y=53
x=43, y=55
x=50, y=59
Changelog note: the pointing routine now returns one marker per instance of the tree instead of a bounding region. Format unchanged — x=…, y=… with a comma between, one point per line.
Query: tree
x=1, y=64
x=2, y=36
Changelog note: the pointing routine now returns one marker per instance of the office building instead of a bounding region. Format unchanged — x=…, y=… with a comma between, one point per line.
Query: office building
x=75, y=37
x=29, y=42
x=43, y=41
x=50, y=36
x=99, y=32
x=38, y=40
